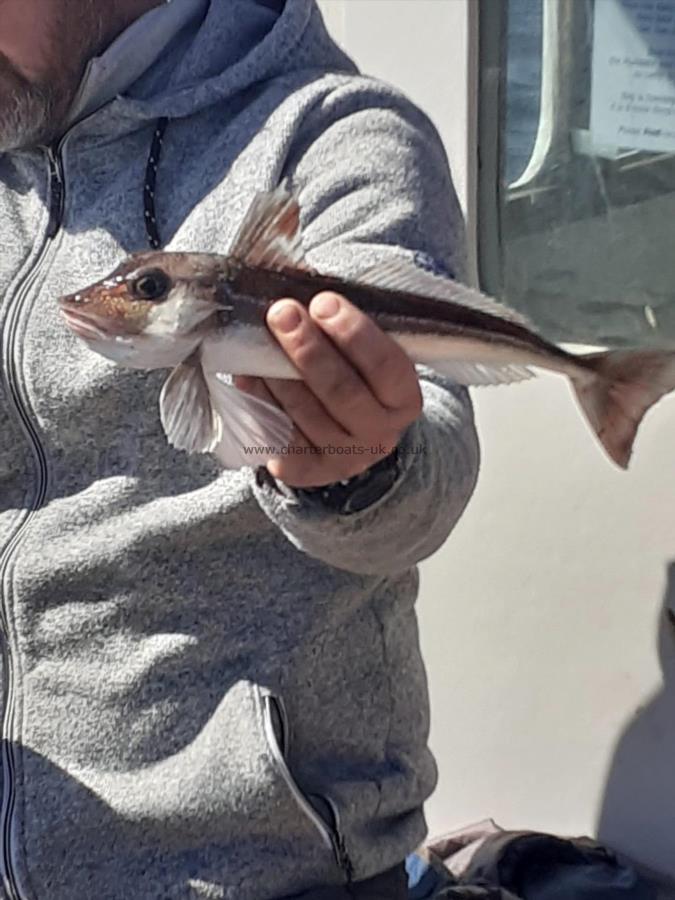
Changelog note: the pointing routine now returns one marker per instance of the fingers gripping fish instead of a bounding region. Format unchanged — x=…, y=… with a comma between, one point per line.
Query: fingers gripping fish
x=203, y=315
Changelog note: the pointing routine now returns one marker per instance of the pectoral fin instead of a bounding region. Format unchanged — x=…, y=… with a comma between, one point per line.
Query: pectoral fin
x=253, y=431
x=204, y=414
x=185, y=409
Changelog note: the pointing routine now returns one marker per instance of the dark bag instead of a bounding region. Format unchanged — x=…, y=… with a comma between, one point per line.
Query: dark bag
x=523, y=865
x=543, y=867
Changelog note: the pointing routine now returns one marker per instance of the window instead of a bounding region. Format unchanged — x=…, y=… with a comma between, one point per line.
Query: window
x=577, y=166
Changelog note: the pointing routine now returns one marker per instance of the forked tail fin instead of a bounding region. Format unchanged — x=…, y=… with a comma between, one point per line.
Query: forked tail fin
x=626, y=384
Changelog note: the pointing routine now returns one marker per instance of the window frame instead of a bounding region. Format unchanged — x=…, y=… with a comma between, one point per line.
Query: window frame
x=556, y=138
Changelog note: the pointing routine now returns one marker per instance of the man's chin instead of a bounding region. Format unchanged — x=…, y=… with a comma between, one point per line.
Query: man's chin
x=14, y=139
x=29, y=113
x=26, y=132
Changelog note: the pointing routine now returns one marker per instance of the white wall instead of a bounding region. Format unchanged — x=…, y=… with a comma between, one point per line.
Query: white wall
x=540, y=615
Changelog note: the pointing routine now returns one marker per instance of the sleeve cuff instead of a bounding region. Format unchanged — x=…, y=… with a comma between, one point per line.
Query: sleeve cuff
x=349, y=496
x=356, y=495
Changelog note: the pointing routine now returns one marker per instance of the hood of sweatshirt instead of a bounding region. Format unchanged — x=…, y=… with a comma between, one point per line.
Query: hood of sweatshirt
x=133, y=53
x=184, y=56
x=201, y=52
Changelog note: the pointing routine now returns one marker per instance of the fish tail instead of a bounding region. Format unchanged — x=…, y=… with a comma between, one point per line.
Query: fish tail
x=622, y=386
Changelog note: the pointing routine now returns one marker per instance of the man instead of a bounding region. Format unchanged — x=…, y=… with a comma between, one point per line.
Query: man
x=212, y=683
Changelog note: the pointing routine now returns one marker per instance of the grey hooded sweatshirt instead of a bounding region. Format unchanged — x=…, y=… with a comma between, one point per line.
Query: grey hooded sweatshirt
x=210, y=689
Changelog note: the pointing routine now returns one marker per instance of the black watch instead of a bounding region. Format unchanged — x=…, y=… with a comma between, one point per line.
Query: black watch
x=350, y=496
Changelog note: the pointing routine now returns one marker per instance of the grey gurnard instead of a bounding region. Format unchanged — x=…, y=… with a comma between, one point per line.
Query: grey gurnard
x=203, y=316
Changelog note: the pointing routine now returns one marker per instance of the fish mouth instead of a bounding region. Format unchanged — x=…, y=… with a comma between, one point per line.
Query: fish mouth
x=87, y=326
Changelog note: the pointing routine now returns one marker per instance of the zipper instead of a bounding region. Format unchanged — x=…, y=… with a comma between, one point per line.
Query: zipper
x=341, y=852
x=18, y=402
x=275, y=721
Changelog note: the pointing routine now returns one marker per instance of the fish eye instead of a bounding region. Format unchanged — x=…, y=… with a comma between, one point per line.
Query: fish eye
x=151, y=285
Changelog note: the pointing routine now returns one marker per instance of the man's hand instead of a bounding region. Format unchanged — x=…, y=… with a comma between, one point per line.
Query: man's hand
x=358, y=394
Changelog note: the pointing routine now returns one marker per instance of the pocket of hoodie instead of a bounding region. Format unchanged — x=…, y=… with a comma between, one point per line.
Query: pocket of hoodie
x=319, y=810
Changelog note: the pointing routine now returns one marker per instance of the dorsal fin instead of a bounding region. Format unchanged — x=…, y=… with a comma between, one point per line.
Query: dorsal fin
x=404, y=275
x=269, y=236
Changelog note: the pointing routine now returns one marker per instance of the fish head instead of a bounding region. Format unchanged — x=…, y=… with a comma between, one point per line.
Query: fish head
x=152, y=311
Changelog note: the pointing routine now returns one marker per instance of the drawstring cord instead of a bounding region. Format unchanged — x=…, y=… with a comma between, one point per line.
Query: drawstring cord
x=150, y=214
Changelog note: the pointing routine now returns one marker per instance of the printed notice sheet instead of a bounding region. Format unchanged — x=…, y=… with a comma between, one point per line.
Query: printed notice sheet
x=633, y=80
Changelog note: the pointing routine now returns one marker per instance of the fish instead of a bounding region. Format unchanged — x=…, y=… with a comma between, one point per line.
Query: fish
x=203, y=315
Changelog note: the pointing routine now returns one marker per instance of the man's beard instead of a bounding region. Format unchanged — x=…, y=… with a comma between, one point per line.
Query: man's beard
x=30, y=114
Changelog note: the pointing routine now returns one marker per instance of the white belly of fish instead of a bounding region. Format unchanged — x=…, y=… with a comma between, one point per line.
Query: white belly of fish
x=250, y=350
x=246, y=350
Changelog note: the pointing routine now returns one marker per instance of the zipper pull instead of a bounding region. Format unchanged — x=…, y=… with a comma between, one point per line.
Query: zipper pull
x=56, y=192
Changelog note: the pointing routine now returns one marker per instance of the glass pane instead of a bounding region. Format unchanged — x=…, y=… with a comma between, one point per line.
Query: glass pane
x=523, y=73
x=583, y=213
